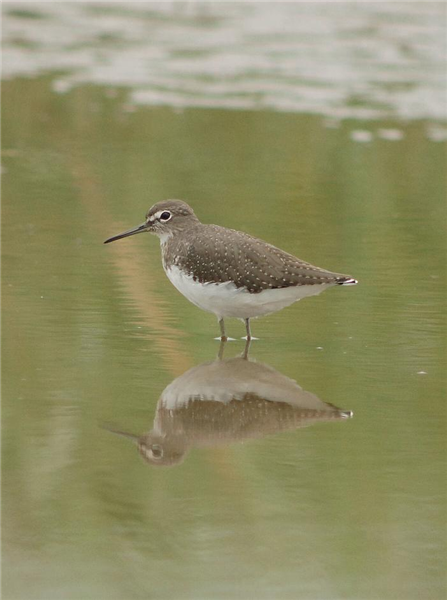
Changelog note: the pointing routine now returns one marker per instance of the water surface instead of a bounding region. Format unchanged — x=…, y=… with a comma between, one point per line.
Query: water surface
x=340, y=59
x=257, y=486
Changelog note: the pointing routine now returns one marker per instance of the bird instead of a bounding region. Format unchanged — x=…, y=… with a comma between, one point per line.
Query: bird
x=227, y=272
x=227, y=401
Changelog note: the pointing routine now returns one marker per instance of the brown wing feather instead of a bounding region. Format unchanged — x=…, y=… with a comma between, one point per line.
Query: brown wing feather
x=217, y=254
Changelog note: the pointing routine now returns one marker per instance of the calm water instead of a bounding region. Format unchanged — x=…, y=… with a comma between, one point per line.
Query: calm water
x=139, y=464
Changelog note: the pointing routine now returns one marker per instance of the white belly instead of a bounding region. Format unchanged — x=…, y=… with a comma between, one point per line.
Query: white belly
x=226, y=300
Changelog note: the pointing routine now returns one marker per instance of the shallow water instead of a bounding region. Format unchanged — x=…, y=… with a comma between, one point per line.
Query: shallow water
x=93, y=334
x=234, y=478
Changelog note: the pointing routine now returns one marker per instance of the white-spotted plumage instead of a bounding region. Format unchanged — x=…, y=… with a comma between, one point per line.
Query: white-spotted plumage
x=227, y=272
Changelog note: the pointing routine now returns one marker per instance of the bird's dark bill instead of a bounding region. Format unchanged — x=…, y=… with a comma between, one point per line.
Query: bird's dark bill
x=134, y=231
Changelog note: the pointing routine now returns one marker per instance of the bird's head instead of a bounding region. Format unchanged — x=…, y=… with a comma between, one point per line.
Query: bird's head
x=164, y=219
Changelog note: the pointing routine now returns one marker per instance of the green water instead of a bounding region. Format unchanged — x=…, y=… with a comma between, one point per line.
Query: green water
x=93, y=334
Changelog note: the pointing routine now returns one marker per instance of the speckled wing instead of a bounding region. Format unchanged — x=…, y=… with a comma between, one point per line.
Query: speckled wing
x=217, y=254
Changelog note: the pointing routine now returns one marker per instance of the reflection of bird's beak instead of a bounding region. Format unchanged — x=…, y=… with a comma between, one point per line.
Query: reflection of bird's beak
x=129, y=436
x=135, y=230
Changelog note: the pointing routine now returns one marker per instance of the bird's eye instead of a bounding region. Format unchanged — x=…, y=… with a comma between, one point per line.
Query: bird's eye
x=165, y=216
x=156, y=451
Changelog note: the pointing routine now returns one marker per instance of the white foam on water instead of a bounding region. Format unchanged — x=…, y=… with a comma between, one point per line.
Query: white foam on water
x=299, y=56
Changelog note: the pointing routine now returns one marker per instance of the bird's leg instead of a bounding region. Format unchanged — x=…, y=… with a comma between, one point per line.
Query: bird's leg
x=221, y=349
x=246, y=349
x=223, y=337
x=247, y=329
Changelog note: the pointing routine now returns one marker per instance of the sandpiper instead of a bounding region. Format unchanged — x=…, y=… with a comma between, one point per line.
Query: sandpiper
x=228, y=272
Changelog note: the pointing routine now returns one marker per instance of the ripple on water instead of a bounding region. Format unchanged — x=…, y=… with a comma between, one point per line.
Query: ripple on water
x=364, y=60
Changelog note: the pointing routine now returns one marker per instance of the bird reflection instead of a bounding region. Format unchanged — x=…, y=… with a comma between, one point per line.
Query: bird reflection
x=227, y=401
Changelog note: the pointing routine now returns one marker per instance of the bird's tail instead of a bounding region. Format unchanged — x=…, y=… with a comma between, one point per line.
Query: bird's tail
x=346, y=281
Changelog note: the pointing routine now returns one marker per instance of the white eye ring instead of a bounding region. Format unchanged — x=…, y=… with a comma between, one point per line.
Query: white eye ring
x=165, y=216
x=156, y=452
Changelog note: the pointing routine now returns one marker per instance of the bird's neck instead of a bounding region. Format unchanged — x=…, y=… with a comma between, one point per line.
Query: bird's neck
x=165, y=237
x=176, y=244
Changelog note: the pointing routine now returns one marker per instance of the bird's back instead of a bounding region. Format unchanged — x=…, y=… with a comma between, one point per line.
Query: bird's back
x=211, y=253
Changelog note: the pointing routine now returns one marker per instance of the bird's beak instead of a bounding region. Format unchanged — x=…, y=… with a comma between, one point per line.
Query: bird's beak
x=134, y=231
